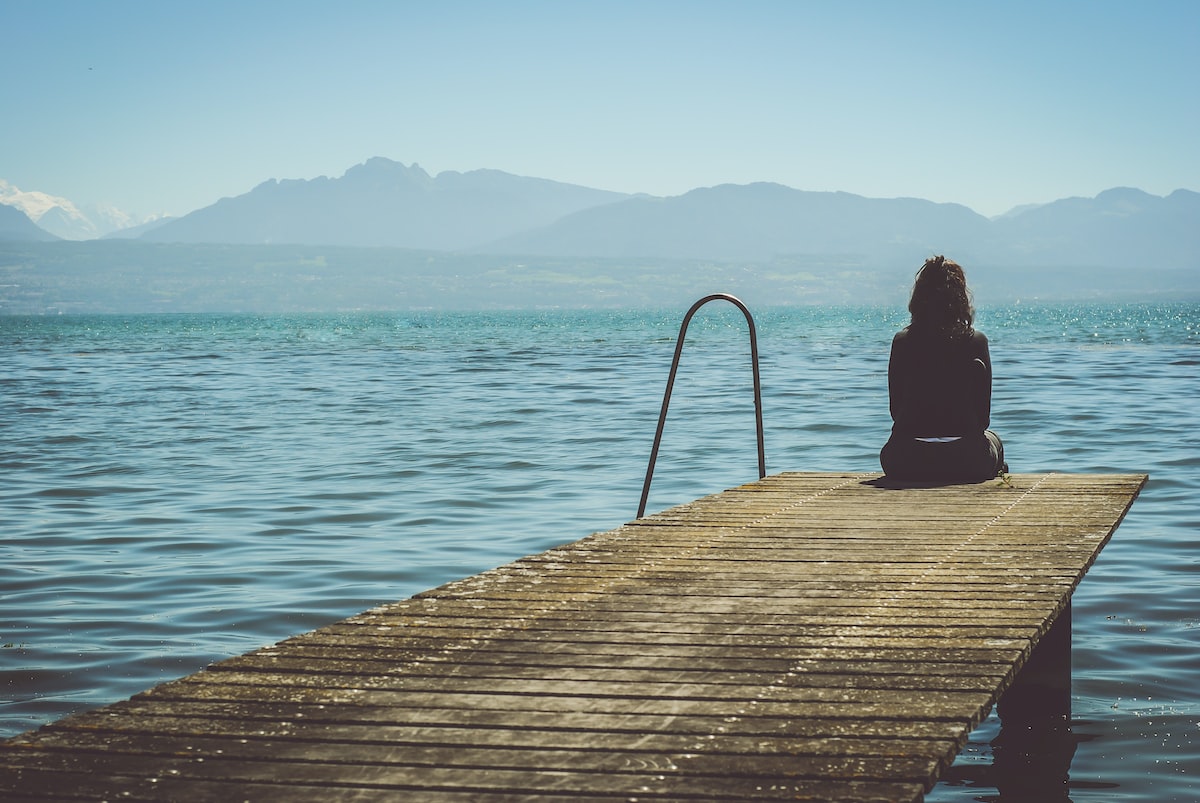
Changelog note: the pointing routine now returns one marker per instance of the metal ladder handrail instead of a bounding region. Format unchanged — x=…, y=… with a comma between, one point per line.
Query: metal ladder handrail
x=662, y=416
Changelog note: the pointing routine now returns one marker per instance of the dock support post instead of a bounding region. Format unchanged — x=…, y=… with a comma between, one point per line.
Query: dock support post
x=1033, y=751
x=1042, y=688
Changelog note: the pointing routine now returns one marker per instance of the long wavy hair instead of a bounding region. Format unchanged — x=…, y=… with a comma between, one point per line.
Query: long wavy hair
x=941, y=302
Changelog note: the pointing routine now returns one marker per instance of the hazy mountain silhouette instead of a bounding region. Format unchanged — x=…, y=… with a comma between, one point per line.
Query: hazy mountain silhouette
x=15, y=226
x=384, y=203
x=1119, y=227
x=755, y=221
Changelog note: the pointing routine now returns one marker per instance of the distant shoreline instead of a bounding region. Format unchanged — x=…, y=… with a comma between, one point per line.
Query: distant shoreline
x=131, y=277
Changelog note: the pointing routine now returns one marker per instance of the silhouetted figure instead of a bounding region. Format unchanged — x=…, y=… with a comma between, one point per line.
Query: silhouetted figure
x=940, y=386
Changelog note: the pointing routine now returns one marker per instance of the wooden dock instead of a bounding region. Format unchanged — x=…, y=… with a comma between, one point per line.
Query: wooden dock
x=809, y=636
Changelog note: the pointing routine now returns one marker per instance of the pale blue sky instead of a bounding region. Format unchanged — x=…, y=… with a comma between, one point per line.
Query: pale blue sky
x=168, y=106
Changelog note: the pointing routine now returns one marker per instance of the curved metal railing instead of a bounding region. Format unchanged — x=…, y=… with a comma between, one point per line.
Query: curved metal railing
x=662, y=416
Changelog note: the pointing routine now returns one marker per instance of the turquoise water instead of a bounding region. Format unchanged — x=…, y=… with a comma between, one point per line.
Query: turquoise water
x=179, y=489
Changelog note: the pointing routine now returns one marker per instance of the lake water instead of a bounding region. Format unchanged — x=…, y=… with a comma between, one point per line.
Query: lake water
x=178, y=489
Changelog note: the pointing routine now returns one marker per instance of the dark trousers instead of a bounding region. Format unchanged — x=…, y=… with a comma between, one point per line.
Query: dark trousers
x=968, y=459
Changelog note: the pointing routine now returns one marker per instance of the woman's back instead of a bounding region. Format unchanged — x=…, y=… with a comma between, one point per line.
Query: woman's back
x=939, y=386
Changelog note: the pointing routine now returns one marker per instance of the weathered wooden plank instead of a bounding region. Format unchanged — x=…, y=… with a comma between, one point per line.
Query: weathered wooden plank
x=512, y=663
x=199, y=735
x=400, y=763
x=608, y=629
x=697, y=652
x=808, y=636
x=792, y=687
x=502, y=608
x=435, y=785
x=532, y=679
x=785, y=616
x=632, y=728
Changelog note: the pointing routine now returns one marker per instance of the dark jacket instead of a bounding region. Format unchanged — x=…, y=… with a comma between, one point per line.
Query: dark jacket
x=939, y=387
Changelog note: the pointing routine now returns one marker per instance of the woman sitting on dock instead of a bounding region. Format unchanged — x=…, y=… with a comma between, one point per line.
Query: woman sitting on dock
x=940, y=386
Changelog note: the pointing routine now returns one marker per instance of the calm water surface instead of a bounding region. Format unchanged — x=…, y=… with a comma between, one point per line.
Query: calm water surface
x=179, y=489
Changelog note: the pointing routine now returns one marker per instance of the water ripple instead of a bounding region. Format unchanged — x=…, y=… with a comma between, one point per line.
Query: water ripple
x=177, y=489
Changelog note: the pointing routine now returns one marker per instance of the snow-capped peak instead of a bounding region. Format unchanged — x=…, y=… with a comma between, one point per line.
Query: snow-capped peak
x=63, y=218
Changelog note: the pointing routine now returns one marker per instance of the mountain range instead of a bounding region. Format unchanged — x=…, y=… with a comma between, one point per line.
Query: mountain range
x=382, y=203
x=61, y=218
x=385, y=203
x=1118, y=228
